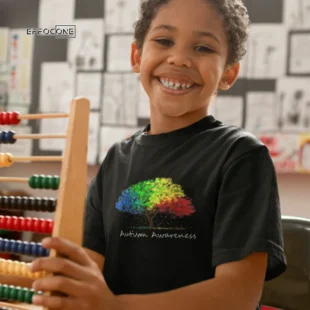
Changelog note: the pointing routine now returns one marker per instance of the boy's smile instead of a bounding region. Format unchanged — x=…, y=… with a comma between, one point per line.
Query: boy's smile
x=182, y=62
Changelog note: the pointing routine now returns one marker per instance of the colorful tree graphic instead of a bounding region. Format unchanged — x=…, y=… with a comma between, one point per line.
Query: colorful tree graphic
x=152, y=197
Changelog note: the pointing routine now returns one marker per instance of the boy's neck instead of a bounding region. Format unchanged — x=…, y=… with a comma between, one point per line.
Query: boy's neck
x=164, y=124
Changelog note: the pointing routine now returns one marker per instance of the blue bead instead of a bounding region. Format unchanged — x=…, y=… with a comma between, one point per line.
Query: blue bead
x=34, y=251
x=14, y=247
x=40, y=250
x=1, y=245
x=21, y=247
x=27, y=249
x=7, y=245
x=9, y=137
x=2, y=137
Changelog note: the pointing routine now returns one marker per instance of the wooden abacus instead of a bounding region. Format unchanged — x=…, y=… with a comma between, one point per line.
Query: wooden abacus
x=71, y=186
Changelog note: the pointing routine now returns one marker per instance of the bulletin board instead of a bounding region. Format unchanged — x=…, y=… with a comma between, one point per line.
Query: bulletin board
x=271, y=98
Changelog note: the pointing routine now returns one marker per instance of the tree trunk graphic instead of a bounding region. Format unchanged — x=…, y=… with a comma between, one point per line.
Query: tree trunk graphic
x=150, y=215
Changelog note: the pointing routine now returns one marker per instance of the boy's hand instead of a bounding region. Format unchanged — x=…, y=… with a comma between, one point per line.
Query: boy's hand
x=78, y=277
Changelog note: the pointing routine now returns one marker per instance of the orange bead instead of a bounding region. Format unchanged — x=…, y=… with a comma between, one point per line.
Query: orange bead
x=6, y=160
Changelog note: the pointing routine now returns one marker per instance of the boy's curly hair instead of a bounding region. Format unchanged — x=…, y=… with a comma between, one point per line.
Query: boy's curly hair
x=235, y=17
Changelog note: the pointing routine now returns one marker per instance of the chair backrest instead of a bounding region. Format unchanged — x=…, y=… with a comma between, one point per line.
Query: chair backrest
x=291, y=291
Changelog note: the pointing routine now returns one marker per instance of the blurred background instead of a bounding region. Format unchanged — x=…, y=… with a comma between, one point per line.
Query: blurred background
x=41, y=74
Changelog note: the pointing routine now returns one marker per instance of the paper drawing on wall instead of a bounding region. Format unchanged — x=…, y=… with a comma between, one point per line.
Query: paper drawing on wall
x=120, y=15
x=299, y=62
x=119, y=47
x=260, y=112
x=86, y=52
x=294, y=104
x=297, y=14
x=304, y=152
x=56, y=89
x=56, y=12
x=267, y=51
x=228, y=110
x=120, y=99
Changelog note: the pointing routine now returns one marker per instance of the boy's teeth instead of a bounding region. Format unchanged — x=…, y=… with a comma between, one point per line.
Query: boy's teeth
x=175, y=85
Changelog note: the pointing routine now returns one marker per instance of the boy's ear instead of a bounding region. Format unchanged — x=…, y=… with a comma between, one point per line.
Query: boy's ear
x=229, y=77
x=135, y=58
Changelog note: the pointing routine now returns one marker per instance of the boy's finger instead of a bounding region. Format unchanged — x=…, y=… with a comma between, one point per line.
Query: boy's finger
x=61, y=266
x=68, y=249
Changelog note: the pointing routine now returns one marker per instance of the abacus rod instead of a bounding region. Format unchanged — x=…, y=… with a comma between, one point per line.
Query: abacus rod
x=39, y=136
x=14, y=179
x=36, y=158
x=40, y=116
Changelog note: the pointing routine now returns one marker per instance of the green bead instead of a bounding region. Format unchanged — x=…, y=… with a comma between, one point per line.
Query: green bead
x=55, y=182
x=46, y=183
x=5, y=291
x=8, y=292
x=28, y=296
x=1, y=291
x=32, y=181
x=13, y=293
x=21, y=295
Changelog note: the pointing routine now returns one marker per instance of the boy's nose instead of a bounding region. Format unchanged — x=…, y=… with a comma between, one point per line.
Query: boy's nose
x=179, y=59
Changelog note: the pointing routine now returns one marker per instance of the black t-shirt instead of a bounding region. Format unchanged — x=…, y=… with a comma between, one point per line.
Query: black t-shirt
x=166, y=209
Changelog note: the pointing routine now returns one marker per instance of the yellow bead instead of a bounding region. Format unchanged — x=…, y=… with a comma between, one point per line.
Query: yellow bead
x=6, y=160
x=24, y=269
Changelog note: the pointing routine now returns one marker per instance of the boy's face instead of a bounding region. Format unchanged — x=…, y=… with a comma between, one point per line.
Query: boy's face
x=183, y=60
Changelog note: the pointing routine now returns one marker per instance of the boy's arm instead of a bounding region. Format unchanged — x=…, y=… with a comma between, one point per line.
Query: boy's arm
x=237, y=285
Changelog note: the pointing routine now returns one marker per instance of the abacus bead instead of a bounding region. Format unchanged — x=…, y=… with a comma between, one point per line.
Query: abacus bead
x=32, y=181
x=28, y=296
x=14, y=120
x=38, y=181
x=34, y=249
x=50, y=226
x=9, y=137
x=21, y=295
x=27, y=248
x=55, y=182
x=37, y=204
x=11, y=202
x=1, y=291
x=17, y=223
x=6, y=118
x=2, y=222
x=7, y=246
x=14, y=246
x=1, y=202
x=18, y=203
x=37, y=225
x=13, y=293
x=11, y=267
x=5, y=291
x=2, y=243
x=8, y=222
x=21, y=247
x=43, y=226
x=23, y=223
x=2, y=137
x=29, y=225
x=24, y=270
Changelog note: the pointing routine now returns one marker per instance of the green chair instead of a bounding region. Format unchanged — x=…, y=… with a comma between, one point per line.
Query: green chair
x=291, y=291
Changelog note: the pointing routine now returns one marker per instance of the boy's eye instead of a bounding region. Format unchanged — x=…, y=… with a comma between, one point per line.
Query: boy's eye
x=203, y=49
x=164, y=42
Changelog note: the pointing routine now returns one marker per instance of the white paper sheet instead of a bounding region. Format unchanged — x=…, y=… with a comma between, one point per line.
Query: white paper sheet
x=20, y=66
x=293, y=104
x=260, y=112
x=53, y=126
x=121, y=15
x=93, y=138
x=4, y=44
x=267, y=51
x=89, y=86
x=111, y=135
x=228, y=110
x=297, y=14
x=86, y=51
x=283, y=149
x=22, y=147
x=56, y=88
x=300, y=53
x=119, y=47
x=56, y=12
x=304, y=161
x=120, y=99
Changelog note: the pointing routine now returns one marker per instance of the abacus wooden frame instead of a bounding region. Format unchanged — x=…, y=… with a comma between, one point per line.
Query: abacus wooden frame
x=73, y=183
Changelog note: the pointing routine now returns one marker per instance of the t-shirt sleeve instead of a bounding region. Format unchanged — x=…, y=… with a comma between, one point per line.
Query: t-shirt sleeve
x=248, y=217
x=93, y=234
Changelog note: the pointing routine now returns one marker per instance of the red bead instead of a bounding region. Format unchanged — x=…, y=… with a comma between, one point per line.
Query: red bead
x=8, y=222
x=44, y=226
x=14, y=118
x=29, y=224
x=16, y=223
x=6, y=118
x=23, y=223
x=50, y=226
x=37, y=225
x=2, y=221
x=1, y=117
